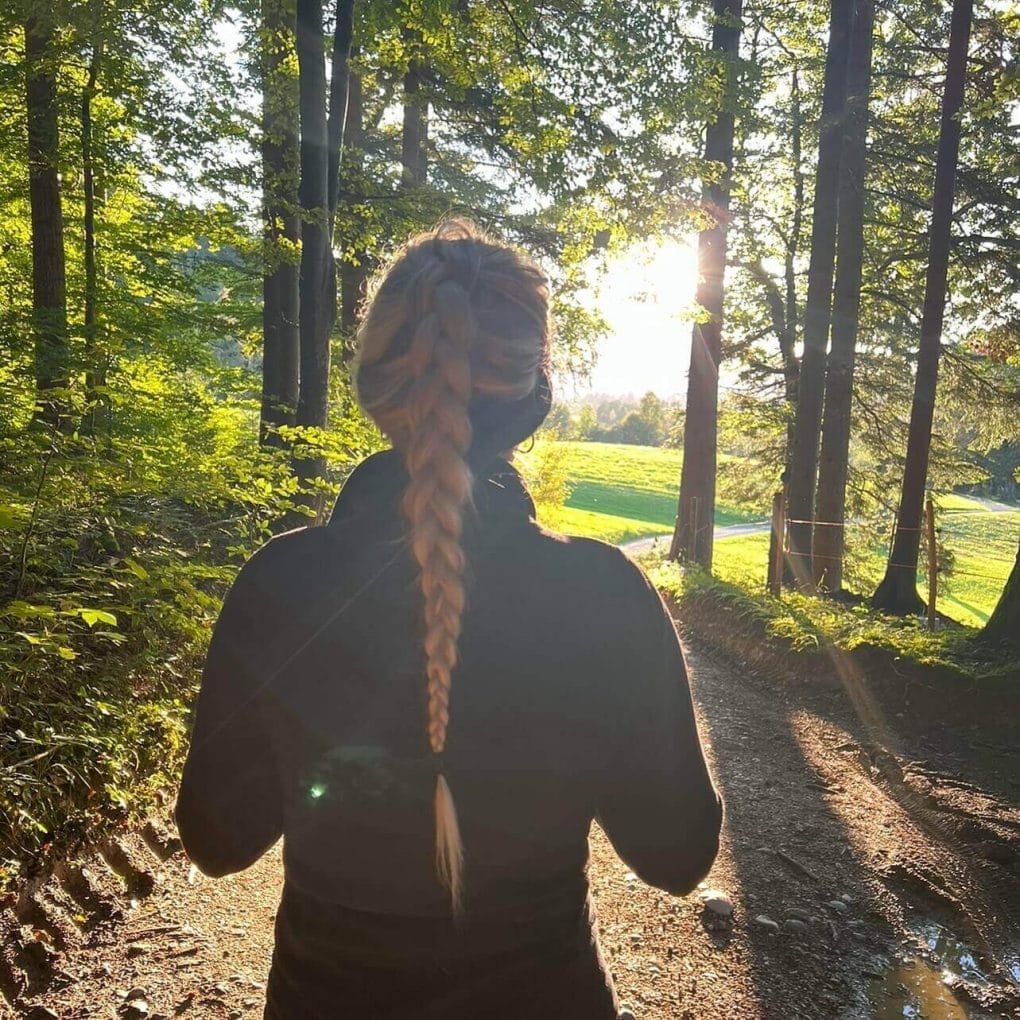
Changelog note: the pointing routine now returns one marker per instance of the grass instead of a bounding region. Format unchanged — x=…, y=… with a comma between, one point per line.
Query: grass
x=619, y=493
x=800, y=624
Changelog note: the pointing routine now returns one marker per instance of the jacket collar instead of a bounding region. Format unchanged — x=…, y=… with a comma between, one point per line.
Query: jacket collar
x=374, y=488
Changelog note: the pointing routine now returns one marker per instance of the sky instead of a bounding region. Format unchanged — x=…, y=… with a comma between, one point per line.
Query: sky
x=646, y=296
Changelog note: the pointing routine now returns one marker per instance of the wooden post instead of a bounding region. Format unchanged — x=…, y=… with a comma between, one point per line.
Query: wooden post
x=775, y=575
x=933, y=562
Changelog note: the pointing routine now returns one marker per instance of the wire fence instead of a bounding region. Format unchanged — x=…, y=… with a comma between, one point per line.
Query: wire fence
x=943, y=537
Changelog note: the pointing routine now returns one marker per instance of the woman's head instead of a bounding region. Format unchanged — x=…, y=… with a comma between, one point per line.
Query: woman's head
x=456, y=328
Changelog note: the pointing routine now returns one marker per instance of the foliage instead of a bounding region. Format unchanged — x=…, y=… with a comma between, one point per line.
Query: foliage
x=801, y=624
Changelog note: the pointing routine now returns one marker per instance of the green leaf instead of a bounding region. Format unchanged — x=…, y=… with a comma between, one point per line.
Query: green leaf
x=136, y=568
x=94, y=616
x=66, y=653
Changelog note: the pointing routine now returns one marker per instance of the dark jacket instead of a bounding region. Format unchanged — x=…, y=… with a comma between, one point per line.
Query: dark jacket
x=570, y=702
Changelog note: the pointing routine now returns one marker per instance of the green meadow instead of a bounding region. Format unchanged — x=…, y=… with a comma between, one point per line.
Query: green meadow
x=621, y=493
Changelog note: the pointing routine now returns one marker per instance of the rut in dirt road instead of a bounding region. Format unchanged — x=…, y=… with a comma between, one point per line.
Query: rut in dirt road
x=831, y=879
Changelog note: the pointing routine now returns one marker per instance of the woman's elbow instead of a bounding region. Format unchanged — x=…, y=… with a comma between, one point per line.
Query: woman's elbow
x=677, y=869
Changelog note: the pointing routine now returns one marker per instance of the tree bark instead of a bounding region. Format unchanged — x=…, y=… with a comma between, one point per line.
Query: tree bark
x=353, y=275
x=897, y=592
x=318, y=285
x=1003, y=626
x=414, y=130
x=339, y=98
x=95, y=369
x=833, y=459
x=281, y=223
x=49, y=282
x=693, y=534
x=788, y=343
x=817, y=310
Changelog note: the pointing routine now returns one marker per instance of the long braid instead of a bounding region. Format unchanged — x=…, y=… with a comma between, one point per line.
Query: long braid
x=455, y=316
x=439, y=487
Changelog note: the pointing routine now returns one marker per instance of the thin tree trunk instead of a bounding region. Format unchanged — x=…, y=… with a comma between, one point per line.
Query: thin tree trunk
x=833, y=459
x=898, y=591
x=95, y=375
x=817, y=310
x=318, y=284
x=1003, y=626
x=788, y=350
x=49, y=283
x=414, y=131
x=693, y=534
x=353, y=277
x=339, y=99
x=281, y=224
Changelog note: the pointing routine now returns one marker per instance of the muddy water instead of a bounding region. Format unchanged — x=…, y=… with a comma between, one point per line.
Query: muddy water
x=918, y=983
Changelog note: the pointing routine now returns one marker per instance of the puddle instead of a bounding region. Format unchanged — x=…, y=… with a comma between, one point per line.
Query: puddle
x=918, y=985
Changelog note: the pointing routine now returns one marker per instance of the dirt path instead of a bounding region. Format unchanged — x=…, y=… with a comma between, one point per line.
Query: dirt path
x=643, y=545
x=860, y=847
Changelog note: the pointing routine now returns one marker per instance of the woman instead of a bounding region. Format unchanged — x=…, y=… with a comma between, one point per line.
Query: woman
x=432, y=697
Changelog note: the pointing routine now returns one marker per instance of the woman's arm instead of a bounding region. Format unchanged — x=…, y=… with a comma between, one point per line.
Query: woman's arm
x=229, y=809
x=659, y=806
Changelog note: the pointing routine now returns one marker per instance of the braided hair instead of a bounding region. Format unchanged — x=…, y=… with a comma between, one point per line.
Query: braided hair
x=455, y=319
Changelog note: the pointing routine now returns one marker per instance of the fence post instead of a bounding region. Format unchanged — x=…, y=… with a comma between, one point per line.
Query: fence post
x=775, y=574
x=933, y=561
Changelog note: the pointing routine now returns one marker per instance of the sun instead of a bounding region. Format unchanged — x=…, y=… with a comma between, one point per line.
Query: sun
x=646, y=296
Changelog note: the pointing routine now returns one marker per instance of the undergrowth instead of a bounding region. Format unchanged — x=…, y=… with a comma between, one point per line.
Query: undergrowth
x=802, y=624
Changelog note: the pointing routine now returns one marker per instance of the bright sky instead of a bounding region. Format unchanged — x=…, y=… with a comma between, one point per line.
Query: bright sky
x=646, y=296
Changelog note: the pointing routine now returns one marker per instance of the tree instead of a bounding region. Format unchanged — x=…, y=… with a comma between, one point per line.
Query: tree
x=281, y=221
x=1003, y=626
x=807, y=422
x=897, y=592
x=829, y=538
x=693, y=534
x=49, y=280
x=317, y=282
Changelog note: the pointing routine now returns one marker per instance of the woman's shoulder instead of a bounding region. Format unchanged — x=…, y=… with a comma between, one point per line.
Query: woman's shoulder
x=282, y=559
x=607, y=567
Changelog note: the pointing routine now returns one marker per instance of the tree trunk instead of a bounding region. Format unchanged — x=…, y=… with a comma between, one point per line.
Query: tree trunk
x=693, y=534
x=788, y=343
x=414, y=132
x=95, y=369
x=281, y=224
x=830, y=505
x=49, y=283
x=353, y=277
x=808, y=418
x=339, y=98
x=898, y=591
x=318, y=290
x=1003, y=626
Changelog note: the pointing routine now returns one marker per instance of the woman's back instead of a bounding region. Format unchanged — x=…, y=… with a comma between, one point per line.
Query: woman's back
x=435, y=834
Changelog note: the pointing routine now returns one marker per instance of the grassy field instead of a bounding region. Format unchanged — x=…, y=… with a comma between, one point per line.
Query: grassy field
x=620, y=493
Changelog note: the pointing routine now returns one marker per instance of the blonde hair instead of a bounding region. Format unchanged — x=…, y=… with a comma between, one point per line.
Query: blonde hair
x=454, y=319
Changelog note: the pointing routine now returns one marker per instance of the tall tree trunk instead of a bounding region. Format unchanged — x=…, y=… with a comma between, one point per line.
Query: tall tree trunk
x=808, y=418
x=318, y=290
x=791, y=364
x=339, y=99
x=49, y=283
x=693, y=534
x=95, y=369
x=281, y=223
x=830, y=505
x=414, y=131
x=898, y=591
x=354, y=270
x=1003, y=626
